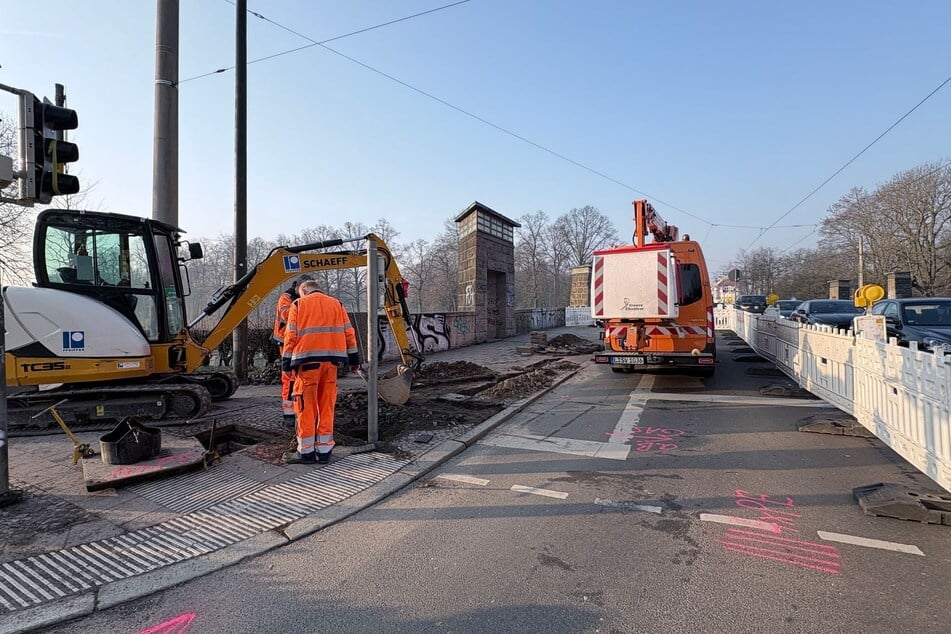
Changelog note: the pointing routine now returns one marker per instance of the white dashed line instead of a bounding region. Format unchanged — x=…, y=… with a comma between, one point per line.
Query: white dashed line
x=546, y=492
x=630, y=505
x=739, y=521
x=463, y=478
x=870, y=543
x=631, y=416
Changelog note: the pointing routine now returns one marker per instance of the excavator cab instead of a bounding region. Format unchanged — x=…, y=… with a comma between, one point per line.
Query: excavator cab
x=130, y=264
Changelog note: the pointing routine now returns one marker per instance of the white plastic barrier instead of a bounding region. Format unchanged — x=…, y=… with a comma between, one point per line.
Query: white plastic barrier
x=578, y=316
x=902, y=395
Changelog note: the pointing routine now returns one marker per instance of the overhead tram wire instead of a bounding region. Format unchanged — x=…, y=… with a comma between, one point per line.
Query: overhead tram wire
x=322, y=44
x=851, y=160
x=482, y=120
x=314, y=43
x=930, y=172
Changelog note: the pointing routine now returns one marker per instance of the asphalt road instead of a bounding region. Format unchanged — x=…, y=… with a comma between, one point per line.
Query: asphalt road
x=599, y=509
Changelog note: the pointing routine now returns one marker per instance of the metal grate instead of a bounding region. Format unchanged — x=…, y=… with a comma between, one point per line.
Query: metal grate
x=39, y=579
x=194, y=491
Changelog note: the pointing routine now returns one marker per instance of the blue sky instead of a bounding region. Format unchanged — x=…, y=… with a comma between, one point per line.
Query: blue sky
x=732, y=111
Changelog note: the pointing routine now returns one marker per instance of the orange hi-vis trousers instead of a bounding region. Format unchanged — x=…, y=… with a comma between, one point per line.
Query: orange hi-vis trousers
x=287, y=384
x=315, y=394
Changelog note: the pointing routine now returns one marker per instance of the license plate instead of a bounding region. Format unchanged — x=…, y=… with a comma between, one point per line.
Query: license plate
x=628, y=360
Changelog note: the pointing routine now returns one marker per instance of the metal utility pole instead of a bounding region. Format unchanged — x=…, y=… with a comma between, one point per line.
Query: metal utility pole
x=861, y=261
x=165, y=137
x=239, y=338
x=373, y=301
x=6, y=495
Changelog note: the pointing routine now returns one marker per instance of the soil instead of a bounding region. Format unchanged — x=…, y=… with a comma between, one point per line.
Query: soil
x=567, y=340
x=442, y=370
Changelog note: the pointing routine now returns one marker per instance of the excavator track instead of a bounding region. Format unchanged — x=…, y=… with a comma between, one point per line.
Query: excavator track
x=154, y=401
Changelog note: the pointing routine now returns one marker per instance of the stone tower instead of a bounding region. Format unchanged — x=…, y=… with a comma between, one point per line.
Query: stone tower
x=487, y=270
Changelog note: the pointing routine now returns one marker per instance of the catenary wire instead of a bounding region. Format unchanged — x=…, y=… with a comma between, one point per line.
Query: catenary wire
x=314, y=43
x=851, y=160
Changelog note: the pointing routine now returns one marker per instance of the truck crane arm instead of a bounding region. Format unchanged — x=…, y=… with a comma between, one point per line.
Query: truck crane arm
x=648, y=221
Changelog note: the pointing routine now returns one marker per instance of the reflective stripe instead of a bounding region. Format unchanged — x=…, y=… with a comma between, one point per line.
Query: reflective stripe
x=292, y=327
x=317, y=355
x=321, y=329
x=305, y=445
x=352, y=351
x=323, y=440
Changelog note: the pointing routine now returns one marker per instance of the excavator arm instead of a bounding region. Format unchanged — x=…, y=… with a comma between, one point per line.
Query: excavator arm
x=285, y=263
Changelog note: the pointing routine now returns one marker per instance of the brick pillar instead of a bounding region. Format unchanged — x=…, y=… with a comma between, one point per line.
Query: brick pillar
x=840, y=289
x=899, y=284
x=580, y=286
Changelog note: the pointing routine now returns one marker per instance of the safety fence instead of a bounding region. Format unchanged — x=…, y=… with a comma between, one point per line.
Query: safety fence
x=902, y=395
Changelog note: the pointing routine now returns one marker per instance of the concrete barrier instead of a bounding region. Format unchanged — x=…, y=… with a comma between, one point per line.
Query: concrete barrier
x=902, y=395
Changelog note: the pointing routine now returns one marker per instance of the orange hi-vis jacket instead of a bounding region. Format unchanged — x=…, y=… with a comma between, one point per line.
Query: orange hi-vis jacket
x=318, y=330
x=280, y=320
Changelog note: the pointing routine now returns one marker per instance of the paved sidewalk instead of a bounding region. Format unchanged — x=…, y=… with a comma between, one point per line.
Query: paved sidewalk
x=65, y=552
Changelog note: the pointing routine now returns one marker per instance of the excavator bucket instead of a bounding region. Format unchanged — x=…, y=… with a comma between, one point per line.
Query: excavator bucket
x=394, y=386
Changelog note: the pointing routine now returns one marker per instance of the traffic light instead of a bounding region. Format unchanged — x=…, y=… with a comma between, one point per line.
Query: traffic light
x=43, y=154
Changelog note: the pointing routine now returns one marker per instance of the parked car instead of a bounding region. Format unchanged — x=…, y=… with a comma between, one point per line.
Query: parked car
x=826, y=312
x=782, y=307
x=926, y=320
x=751, y=303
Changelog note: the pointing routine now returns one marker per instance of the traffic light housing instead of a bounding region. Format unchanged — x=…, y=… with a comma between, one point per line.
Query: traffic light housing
x=43, y=153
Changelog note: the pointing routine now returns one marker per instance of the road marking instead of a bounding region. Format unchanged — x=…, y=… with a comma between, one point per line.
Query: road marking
x=761, y=401
x=739, y=521
x=871, y=543
x=463, y=478
x=546, y=492
x=534, y=442
x=631, y=416
x=630, y=505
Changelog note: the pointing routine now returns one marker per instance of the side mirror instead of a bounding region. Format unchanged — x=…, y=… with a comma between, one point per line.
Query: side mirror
x=194, y=251
x=891, y=321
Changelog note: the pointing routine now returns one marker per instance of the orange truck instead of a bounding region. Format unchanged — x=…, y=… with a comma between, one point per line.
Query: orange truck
x=654, y=300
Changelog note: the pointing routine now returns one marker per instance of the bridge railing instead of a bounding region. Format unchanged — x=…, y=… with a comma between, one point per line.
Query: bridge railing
x=902, y=395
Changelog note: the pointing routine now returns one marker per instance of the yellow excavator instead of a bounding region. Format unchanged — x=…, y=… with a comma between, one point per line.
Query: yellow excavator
x=104, y=325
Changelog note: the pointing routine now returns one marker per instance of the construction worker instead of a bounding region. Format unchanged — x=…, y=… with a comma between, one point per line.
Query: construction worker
x=318, y=338
x=280, y=324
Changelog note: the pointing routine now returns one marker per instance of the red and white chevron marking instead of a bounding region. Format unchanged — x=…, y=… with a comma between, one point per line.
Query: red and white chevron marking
x=620, y=332
x=711, y=325
x=598, y=286
x=662, y=308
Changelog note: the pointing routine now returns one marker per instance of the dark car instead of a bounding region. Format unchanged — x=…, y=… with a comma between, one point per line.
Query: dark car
x=783, y=307
x=926, y=320
x=751, y=303
x=826, y=312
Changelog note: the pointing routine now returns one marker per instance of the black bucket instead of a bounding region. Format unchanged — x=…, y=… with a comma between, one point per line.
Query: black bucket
x=129, y=442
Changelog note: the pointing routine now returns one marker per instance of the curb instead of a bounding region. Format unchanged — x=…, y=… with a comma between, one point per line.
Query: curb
x=137, y=587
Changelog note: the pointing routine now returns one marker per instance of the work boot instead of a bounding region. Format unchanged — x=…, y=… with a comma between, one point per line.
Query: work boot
x=323, y=458
x=290, y=421
x=294, y=457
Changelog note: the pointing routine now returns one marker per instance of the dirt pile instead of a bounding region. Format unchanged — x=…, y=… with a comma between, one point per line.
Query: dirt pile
x=270, y=374
x=418, y=414
x=451, y=371
x=522, y=385
x=563, y=345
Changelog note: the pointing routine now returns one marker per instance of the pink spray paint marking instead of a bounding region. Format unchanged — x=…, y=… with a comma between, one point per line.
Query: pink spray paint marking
x=178, y=625
x=795, y=552
x=651, y=438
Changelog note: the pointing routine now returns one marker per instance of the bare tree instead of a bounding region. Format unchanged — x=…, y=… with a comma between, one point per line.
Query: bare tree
x=586, y=230
x=16, y=221
x=418, y=268
x=532, y=257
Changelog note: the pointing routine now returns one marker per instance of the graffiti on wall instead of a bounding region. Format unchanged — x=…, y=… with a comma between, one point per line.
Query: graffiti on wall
x=470, y=295
x=432, y=332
